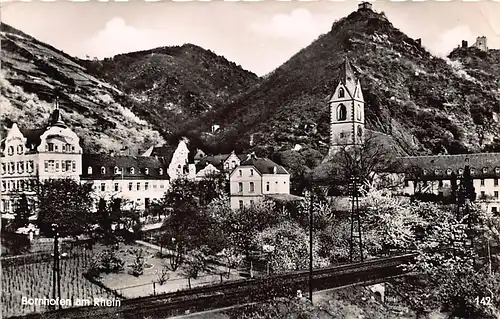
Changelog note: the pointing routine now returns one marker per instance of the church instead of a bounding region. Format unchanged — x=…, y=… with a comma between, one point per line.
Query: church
x=422, y=174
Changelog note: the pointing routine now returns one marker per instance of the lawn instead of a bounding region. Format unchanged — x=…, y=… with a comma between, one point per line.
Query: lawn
x=130, y=286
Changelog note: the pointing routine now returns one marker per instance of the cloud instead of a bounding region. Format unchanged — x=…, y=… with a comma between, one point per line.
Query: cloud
x=118, y=37
x=298, y=25
x=450, y=39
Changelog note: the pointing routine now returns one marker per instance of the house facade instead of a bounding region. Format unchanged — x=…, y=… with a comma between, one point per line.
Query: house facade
x=432, y=175
x=255, y=179
x=55, y=152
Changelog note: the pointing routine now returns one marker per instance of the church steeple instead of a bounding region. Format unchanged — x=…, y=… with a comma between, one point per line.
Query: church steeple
x=347, y=76
x=347, y=118
x=56, y=116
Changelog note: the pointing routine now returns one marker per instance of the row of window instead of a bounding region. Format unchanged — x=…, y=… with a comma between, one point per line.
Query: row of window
x=55, y=147
x=252, y=186
x=116, y=187
x=449, y=171
x=342, y=113
x=18, y=167
x=52, y=166
x=252, y=203
x=19, y=148
x=19, y=185
x=441, y=182
x=117, y=170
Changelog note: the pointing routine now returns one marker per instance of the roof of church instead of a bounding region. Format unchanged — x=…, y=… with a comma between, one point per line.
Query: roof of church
x=481, y=164
x=263, y=165
x=124, y=163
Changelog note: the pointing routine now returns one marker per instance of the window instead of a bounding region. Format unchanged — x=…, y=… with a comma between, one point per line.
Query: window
x=132, y=171
x=51, y=165
x=73, y=166
x=117, y=170
x=240, y=172
x=360, y=131
x=472, y=171
x=89, y=170
x=341, y=113
x=485, y=170
x=341, y=92
x=482, y=181
x=233, y=164
x=4, y=168
x=241, y=204
x=57, y=166
x=461, y=171
x=138, y=186
x=146, y=186
x=103, y=187
x=240, y=187
x=50, y=147
x=160, y=171
x=103, y=170
x=31, y=166
x=251, y=172
x=440, y=184
x=19, y=149
x=497, y=170
x=495, y=182
x=342, y=135
x=4, y=186
x=494, y=209
x=46, y=166
x=495, y=194
x=267, y=186
x=72, y=148
x=117, y=188
x=483, y=194
x=64, y=166
x=55, y=147
x=20, y=167
x=11, y=150
x=146, y=171
x=130, y=186
x=407, y=183
x=448, y=171
x=425, y=172
x=252, y=187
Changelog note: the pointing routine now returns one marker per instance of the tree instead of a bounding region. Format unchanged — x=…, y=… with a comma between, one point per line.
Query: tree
x=66, y=203
x=138, y=263
x=197, y=263
x=370, y=161
x=22, y=213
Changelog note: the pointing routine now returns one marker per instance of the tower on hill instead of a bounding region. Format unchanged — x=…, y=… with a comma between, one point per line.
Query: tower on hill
x=347, y=111
x=365, y=6
x=481, y=43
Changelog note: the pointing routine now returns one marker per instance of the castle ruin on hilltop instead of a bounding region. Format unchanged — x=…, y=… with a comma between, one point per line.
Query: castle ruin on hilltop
x=481, y=43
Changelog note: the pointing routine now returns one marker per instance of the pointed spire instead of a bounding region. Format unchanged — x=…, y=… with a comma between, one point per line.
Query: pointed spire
x=347, y=76
x=56, y=116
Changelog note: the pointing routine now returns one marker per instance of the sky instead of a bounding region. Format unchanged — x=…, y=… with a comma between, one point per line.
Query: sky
x=258, y=35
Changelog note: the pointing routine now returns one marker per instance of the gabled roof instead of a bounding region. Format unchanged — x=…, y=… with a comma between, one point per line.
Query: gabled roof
x=124, y=163
x=263, y=165
x=163, y=151
x=481, y=164
x=215, y=160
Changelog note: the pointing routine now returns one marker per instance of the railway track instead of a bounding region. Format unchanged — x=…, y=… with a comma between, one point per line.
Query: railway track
x=238, y=292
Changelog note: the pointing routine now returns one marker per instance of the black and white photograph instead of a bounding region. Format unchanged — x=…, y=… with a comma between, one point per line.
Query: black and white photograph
x=250, y=159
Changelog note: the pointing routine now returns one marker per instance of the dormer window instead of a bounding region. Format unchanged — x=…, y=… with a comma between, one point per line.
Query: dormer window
x=472, y=171
x=436, y=172
x=89, y=170
x=11, y=150
x=19, y=149
x=425, y=172
x=160, y=171
x=103, y=170
x=146, y=171
x=485, y=170
x=117, y=170
x=132, y=171
x=50, y=147
x=341, y=92
x=497, y=170
x=449, y=171
x=461, y=171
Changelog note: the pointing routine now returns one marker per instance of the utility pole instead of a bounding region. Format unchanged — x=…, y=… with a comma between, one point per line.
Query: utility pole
x=355, y=220
x=56, y=270
x=311, y=244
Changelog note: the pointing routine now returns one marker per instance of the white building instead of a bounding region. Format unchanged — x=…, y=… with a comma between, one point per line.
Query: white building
x=257, y=178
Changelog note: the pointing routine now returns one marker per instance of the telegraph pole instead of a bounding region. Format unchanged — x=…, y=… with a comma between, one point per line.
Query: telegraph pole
x=311, y=245
x=355, y=220
x=56, y=270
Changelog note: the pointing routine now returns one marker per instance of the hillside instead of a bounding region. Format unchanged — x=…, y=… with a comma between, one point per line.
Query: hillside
x=423, y=103
x=131, y=101
x=170, y=85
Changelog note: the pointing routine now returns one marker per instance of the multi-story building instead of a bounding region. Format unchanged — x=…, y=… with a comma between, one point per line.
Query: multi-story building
x=30, y=155
x=255, y=179
x=54, y=152
x=432, y=175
